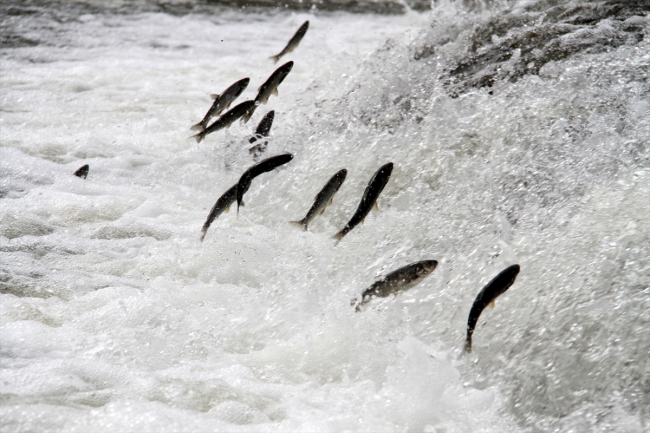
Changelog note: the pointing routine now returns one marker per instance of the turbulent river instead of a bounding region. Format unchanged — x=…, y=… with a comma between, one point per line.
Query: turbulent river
x=519, y=133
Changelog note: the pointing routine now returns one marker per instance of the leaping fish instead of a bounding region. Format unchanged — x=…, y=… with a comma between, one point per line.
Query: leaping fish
x=222, y=102
x=261, y=167
x=369, y=199
x=222, y=205
x=323, y=198
x=397, y=281
x=263, y=129
x=487, y=296
x=226, y=120
x=293, y=42
x=270, y=87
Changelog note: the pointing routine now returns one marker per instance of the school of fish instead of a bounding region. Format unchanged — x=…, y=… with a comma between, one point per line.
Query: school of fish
x=393, y=283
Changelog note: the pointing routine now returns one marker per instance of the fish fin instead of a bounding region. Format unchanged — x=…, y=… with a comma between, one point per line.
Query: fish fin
x=199, y=126
x=375, y=207
x=260, y=88
x=331, y=201
x=241, y=204
x=339, y=235
x=275, y=92
x=215, y=95
x=248, y=114
x=226, y=209
x=493, y=304
x=204, y=230
x=275, y=58
x=363, y=220
x=299, y=224
x=322, y=212
x=468, y=345
x=198, y=136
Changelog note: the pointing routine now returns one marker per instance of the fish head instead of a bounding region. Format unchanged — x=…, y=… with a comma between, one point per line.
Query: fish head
x=341, y=175
x=426, y=267
x=286, y=68
x=386, y=169
x=243, y=83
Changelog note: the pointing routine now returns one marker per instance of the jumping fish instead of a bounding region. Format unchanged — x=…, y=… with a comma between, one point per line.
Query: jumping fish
x=323, y=198
x=82, y=171
x=226, y=120
x=222, y=205
x=270, y=87
x=263, y=129
x=397, y=281
x=487, y=296
x=293, y=42
x=222, y=102
x=369, y=199
x=263, y=166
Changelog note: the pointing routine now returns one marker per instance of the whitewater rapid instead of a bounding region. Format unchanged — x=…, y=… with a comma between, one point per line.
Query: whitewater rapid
x=115, y=317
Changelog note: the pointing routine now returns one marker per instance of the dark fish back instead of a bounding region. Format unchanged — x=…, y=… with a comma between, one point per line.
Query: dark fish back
x=489, y=293
x=261, y=167
x=377, y=184
x=221, y=204
x=82, y=171
x=264, y=127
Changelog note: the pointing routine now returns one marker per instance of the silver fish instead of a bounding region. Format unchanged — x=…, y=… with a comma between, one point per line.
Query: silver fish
x=369, y=199
x=226, y=120
x=323, y=198
x=222, y=205
x=270, y=87
x=293, y=42
x=263, y=166
x=397, y=281
x=222, y=102
x=487, y=296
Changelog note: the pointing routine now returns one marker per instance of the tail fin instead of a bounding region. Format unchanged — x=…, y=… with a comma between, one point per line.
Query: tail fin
x=275, y=58
x=200, y=136
x=199, y=126
x=204, y=230
x=468, y=345
x=299, y=224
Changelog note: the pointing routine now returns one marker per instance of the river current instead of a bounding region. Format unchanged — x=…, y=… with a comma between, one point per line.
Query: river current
x=519, y=133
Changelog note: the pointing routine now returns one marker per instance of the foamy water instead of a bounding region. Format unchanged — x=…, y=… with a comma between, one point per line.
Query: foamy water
x=115, y=317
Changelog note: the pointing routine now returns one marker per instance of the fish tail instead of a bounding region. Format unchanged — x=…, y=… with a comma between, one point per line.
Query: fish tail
x=199, y=126
x=275, y=58
x=204, y=230
x=340, y=235
x=199, y=136
x=301, y=224
x=468, y=345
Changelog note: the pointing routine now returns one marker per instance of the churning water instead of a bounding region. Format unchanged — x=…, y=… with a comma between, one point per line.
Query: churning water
x=519, y=132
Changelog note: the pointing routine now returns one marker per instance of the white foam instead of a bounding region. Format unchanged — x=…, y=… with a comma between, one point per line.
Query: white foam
x=115, y=317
